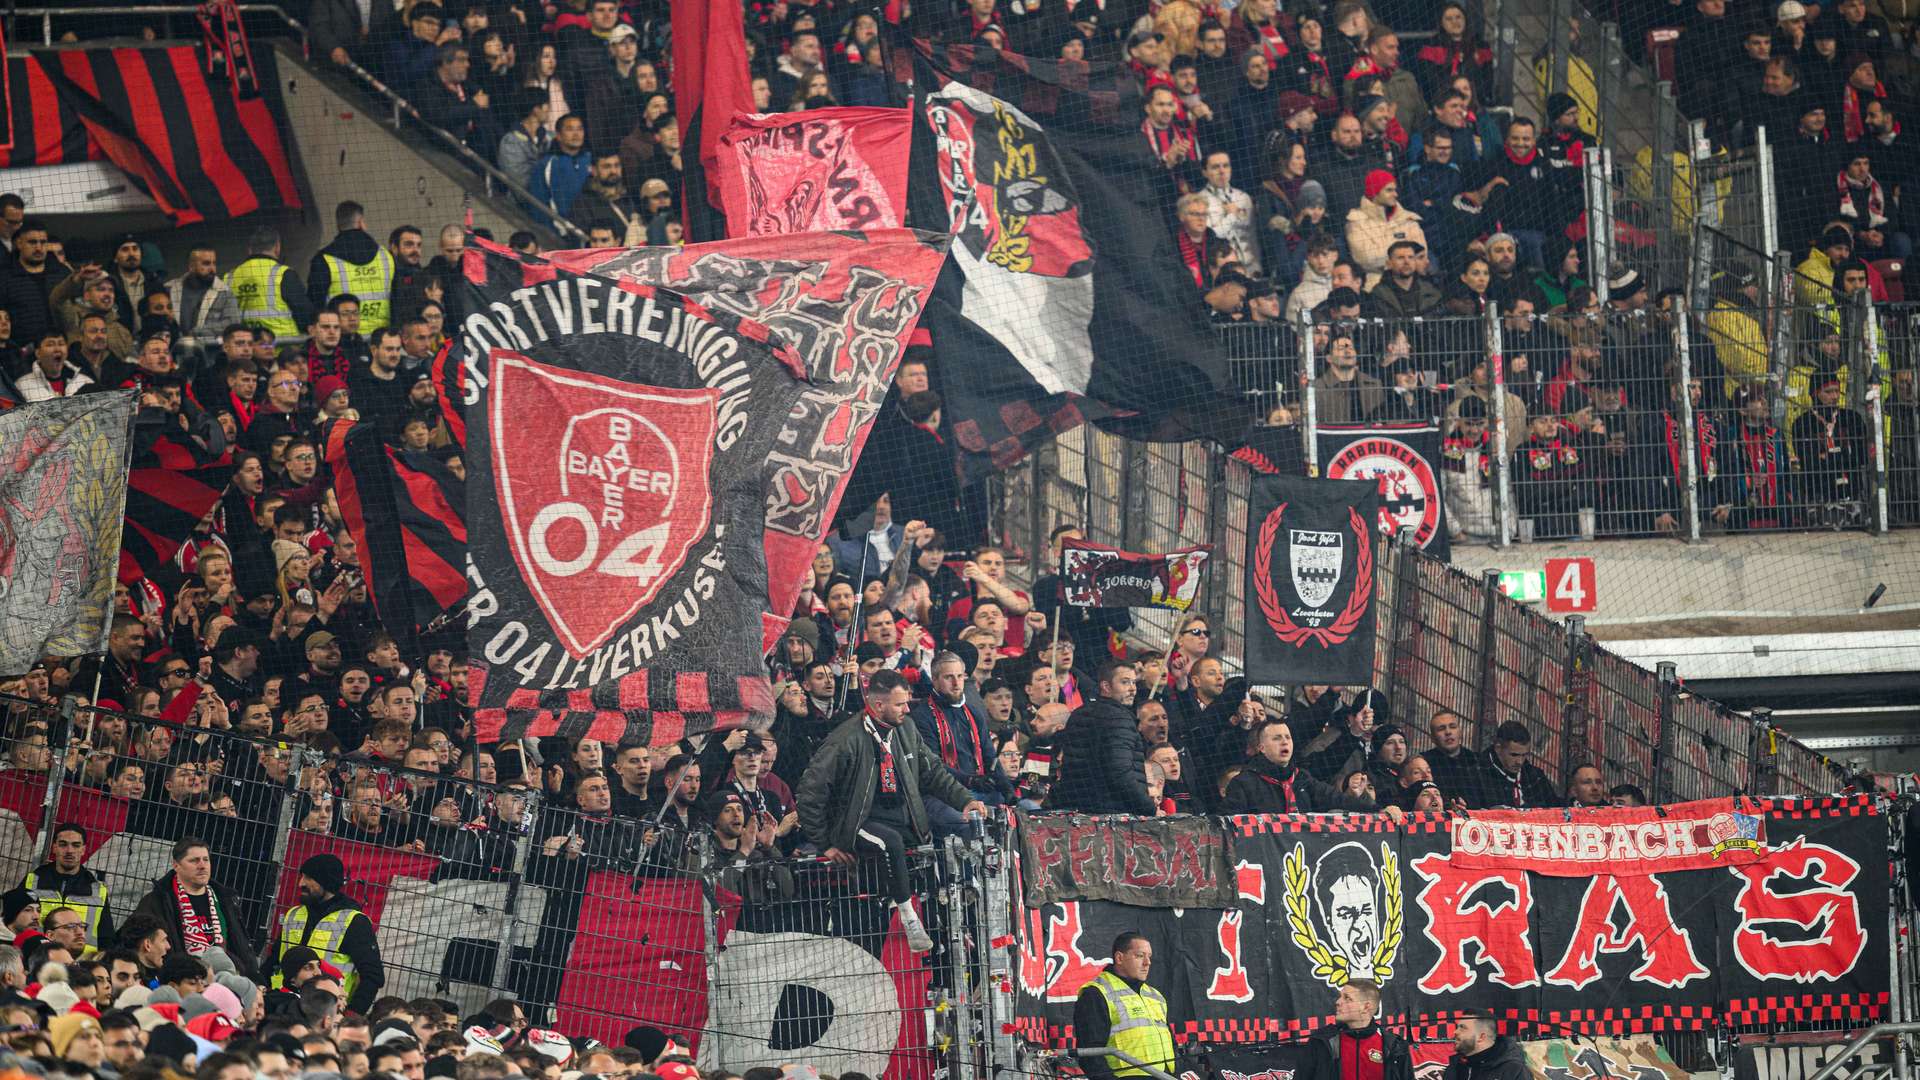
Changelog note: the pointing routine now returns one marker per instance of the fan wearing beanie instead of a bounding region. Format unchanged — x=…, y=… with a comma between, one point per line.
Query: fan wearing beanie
x=1380, y=222
x=332, y=925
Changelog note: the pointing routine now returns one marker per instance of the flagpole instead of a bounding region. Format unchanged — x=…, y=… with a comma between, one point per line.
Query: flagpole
x=854, y=631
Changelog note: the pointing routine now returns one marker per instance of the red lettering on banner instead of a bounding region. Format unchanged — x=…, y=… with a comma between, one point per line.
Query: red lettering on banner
x=1047, y=843
x=1189, y=864
x=1458, y=916
x=1666, y=950
x=1830, y=912
x=1033, y=956
x=1145, y=863
x=1058, y=973
x=1083, y=851
x=1230, y=982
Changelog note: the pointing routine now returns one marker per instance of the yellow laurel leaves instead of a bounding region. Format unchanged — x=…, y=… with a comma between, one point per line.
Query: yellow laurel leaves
x=1327, y=967
x=1391, y=933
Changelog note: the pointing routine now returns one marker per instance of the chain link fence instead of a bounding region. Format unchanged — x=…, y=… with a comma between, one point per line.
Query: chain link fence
x=1451, y=642
x=481, y=889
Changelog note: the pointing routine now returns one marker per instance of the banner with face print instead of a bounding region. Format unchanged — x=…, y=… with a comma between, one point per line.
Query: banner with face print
x=1611, y=921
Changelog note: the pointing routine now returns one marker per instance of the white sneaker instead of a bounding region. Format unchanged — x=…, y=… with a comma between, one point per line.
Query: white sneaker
x=917, y=937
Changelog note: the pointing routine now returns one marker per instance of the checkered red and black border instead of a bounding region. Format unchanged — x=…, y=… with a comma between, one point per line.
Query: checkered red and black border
x=1770, y=1012
x=1289, y=824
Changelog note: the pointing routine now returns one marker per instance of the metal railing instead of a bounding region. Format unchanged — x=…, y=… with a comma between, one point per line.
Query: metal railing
x=481, y=889
x=1636, y=457
x=1447, y=640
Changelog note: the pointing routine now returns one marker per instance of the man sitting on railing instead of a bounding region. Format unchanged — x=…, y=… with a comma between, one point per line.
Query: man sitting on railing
x=862, y=793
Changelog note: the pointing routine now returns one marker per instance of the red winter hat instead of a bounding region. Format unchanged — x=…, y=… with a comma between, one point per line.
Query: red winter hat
x=1378, y=179
x=327, y=386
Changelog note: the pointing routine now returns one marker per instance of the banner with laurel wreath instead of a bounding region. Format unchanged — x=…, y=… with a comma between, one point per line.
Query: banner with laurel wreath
x=63, y=498
x=1310, y=576
x=1666, y=927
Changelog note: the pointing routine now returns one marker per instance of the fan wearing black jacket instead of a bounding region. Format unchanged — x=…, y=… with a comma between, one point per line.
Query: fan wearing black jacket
x=1511, y=779
x=1105, y=771
x=1483, y=1054
x=1272, y=784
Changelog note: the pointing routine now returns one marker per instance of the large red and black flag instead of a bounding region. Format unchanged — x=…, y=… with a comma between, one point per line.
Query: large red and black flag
x=185, y=139
x=847, y=303
x=711, y=79
x=163, y=507
x=406, y=512
x=618, y=435
x=1065, y=299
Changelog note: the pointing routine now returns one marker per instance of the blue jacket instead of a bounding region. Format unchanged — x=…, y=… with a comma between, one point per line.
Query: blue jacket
x=410, y=63
x=558, y=178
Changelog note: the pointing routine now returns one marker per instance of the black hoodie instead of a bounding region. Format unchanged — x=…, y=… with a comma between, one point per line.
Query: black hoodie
x=353, y=245
x=1503, y=1060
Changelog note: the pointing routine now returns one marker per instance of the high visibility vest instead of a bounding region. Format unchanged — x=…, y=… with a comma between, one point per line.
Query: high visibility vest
x=1139, y=1025
x=91, y=906
x=256, y=289
x=325, y=938
x=371, y=282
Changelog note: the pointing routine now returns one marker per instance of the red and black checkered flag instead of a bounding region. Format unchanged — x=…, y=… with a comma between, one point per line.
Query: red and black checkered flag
x=617, y=437
x=406, y=512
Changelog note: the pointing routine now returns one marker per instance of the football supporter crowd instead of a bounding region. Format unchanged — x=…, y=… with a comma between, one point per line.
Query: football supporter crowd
x=1343, y=164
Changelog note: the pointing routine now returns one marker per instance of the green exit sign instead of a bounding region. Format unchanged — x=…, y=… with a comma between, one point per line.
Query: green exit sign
x=1524, y=586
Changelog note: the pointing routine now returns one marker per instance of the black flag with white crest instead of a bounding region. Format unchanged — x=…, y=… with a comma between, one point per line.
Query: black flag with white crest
x=1313, y=550
x=616, y=438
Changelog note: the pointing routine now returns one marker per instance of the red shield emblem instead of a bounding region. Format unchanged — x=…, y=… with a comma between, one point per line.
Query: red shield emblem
x=602, y=486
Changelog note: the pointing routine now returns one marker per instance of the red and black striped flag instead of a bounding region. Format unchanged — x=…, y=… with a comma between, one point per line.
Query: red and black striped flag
x=406, y=512
x=185, y=139
x=163, y=506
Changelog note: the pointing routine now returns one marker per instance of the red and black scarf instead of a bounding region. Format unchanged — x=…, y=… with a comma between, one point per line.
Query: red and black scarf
x=198, y=934
x=1762, y=473
x=1194, y=253
x=1288, y=803
x=949, y=747
x=889, y=774
x=1706, y=442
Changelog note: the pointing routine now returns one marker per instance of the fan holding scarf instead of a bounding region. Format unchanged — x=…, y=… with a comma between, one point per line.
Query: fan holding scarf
x=199, y=913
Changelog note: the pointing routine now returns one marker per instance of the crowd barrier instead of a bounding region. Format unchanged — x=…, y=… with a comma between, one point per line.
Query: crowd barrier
x=478, y=890
x=1446, y=638
x=598, y=922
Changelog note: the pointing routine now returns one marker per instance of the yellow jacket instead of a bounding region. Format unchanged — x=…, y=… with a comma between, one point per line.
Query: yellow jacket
x=1740, y=341
x=1813, y=280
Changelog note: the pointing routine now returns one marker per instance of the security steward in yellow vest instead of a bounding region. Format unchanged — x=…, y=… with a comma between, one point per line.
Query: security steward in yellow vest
x=64, y=882
x=1117, y=1009
x=353, y=262
x=335, y=928
x=267, y=291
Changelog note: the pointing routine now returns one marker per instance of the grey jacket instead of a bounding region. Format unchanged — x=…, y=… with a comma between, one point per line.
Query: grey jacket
x=836, y=793
x=218, y=310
